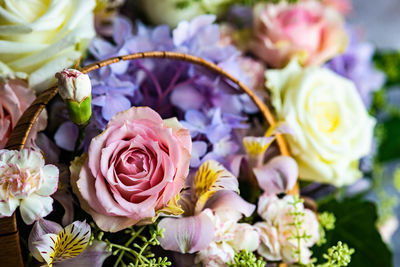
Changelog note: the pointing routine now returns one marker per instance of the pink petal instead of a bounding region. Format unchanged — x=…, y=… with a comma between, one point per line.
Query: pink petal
x=278, y=175
x=188, y=234
x=230, y=204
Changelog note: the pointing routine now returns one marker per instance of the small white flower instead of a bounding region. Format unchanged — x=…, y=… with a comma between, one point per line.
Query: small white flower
x=26, y=181
x=277, y=229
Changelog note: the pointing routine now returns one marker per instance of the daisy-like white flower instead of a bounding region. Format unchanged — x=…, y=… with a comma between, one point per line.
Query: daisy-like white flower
x=26, y=181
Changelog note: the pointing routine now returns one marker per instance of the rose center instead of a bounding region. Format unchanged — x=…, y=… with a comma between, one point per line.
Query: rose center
x=328, y=116
x=297, y=16
x=137, y=163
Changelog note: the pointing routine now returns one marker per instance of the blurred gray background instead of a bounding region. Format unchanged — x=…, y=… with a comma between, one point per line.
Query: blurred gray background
x=380, y=21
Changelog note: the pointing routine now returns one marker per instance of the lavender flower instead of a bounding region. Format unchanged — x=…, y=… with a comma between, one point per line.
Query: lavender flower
x=356, y=64
x=208, y=105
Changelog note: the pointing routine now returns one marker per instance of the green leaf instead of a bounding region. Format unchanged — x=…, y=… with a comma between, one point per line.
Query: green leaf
x=390, y=143
x=356, y=226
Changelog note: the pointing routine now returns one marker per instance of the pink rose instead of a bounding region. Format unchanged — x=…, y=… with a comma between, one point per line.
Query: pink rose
x=134, y=168
x=309, y=30
x=343, y=6
x=15, y=98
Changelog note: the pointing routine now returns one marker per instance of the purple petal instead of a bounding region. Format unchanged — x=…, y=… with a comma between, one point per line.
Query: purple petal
x=93, y=255
x=101, y=49
x=67, y=202
x=278, y=175
x=229, y=203
x=187, y=97
x=199, y=148
x=66, y=136
x=40, y=228
x=122, y=30
x=115, y=103
x=49, y=149
x=188, y=234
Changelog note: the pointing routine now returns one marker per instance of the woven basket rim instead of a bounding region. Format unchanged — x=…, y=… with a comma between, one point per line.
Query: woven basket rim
x=21, y=131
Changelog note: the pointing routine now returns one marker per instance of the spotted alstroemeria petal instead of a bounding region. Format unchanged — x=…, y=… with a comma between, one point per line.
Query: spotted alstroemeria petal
x=210, y=178
x=256, y=146
x=68, y=243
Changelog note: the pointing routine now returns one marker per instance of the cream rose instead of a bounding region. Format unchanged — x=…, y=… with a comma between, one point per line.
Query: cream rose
x=331, y=127
x=169, y=12
x=41, y=37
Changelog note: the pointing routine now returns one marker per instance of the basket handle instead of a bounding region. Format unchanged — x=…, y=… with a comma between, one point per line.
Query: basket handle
x=21, y=131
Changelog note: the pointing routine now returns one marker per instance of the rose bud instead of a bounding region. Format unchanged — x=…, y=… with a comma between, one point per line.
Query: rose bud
x=75, y=89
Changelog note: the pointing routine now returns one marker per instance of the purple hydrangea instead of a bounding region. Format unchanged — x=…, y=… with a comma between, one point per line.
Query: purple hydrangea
x=356, y=64
x=207, y=104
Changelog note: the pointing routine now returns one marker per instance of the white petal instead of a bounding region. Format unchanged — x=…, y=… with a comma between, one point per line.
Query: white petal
x=50, y=183
x=41, y=228
x=46, y=246
x=7, y=208
x=35, y=207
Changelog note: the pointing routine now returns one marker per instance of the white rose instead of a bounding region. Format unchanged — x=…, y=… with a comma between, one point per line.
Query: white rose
x=168, y=11
x=41, y=37
x=332, y=129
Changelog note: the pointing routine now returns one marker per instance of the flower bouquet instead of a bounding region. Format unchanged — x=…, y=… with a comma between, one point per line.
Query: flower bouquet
x=241, y=137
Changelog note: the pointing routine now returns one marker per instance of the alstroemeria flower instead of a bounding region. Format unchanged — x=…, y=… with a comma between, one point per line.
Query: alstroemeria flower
x=215, y=224
x=278, y=175
x=256, y=147
x=212, y=201
x=210, y=178
x=27, y=182
x=49, y=242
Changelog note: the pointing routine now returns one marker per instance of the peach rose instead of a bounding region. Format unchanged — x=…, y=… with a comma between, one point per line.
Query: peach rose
x=133, y=170
x=15, y=98
x=309, y=30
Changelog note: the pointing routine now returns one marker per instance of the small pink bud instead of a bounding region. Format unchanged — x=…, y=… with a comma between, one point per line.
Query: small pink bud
x=73, y=85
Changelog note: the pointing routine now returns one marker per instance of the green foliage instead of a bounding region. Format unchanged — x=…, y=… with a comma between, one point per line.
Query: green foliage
x=246, y=259
x=390, y=142
x=327, y=220
x=326, y=223
x=336, y=256
x=396, y=179
x=136, y=251
x=387, y=202
x=389, y=62
x=298, y=225
x=356, y=226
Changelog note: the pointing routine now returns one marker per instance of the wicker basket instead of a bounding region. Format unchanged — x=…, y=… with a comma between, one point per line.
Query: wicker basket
x=10, y=254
